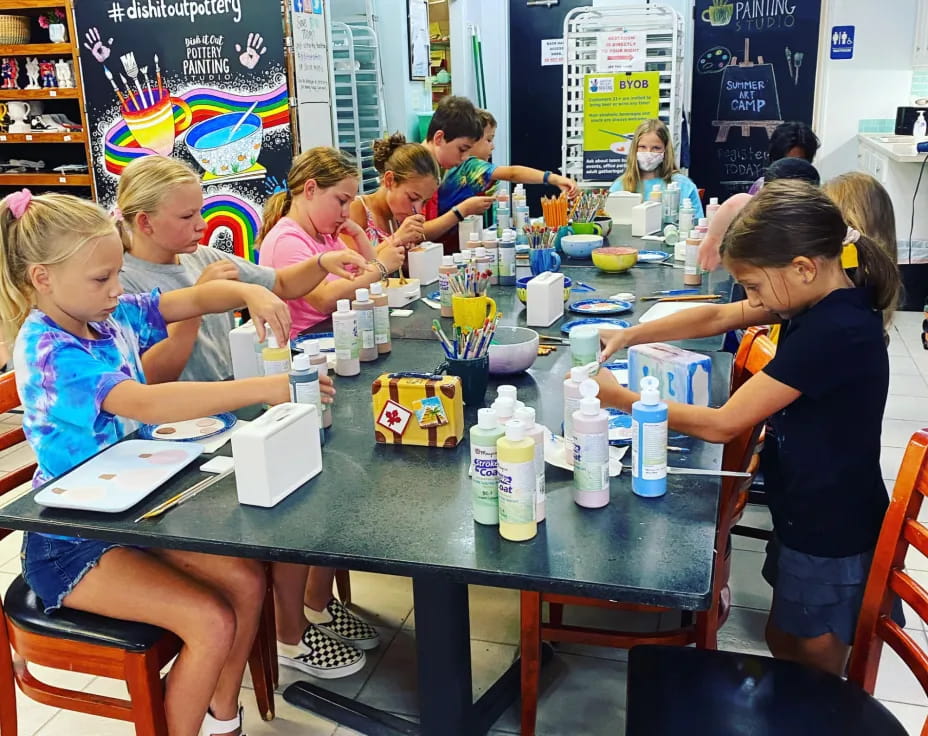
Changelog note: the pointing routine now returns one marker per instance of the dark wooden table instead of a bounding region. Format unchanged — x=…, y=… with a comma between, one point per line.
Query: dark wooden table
x=407, y=511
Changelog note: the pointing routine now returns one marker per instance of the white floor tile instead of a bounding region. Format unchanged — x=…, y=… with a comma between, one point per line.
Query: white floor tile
x=912, y=717
x=890, y=462
x=31, y=716
x=10, y=547
x=381, y=600
x=494, y=614
x=895, y=681
x=914, y=409
x=744, y=632
x=901, y=365
x=898, y=432
x=756, y=517
x=902, y=385
x=748, y=587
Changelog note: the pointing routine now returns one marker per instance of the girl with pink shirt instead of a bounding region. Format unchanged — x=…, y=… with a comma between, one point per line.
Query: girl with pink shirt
x=311, y=218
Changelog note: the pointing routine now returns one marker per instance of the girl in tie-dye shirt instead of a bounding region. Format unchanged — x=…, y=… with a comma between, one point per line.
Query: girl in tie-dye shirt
x=77, y=356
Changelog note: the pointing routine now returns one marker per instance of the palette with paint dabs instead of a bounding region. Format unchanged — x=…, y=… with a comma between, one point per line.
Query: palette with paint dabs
x=120, y=476
x=189, y=430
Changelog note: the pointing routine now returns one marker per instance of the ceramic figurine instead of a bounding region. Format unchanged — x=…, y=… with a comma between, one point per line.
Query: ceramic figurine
x=9, y=69
x=47, y=72
x=63, y=71
x=32, y=72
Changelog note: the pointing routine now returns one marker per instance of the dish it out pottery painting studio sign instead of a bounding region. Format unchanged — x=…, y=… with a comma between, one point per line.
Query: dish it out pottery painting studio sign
x=754, y=68
x=200, y=80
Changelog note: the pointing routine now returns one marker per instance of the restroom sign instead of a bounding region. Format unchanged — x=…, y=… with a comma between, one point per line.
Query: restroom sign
x=842, y=42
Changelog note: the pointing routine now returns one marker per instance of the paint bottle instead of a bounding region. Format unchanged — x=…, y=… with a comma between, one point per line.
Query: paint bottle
x=507, y=391
x=584, y=344
x=473, y=242
x=318, y=360
x=670, y=204
x=518, y=197
x=484, y=480
x=275, y=358
x=491, y=244
x=591, y=450
x=445, y=271
x=502, y=195
x=364, y=308
x=657, y=193
x=520, y=216
x=516, y=467
x=572, y=396
x=536, y=432
x=692, y=274
x=702, y=227
x=460, y=260
x=684, y=227
x=347, y=340
x=259, y=353
x=503, y=218
x=649, y=441
x=505, y=409
x=507, y=259
x=712, y=208
x=482, y=259
x=304, y=384
x=381, y=319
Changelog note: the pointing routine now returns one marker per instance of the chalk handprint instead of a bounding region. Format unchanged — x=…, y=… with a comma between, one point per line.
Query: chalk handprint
x=94, y=44
x=252, y=52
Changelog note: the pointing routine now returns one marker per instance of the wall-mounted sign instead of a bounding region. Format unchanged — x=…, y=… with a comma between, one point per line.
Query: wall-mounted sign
x=842, y=42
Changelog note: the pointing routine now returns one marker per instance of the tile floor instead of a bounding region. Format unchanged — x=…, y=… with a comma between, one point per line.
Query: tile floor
x=583, y=690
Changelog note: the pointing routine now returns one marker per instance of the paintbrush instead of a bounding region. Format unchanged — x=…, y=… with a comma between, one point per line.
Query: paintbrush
x=158, y=76
x=681, y=298
x=144, y=70
x=184, y=495
x=125, y=82
x=109, y=75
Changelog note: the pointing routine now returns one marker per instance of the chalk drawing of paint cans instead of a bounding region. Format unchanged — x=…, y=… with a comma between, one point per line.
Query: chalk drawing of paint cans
x=224, y=150
x=719, y=13
x=154, y=126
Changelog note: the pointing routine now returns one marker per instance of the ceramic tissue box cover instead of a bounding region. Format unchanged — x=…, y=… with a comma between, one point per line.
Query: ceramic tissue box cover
x=418, y=409
x=684, y=376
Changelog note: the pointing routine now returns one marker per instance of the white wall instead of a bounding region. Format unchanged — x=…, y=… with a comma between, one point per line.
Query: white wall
x=871, y=85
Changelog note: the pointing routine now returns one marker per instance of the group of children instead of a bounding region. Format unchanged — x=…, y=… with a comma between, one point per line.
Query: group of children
x=124, y=318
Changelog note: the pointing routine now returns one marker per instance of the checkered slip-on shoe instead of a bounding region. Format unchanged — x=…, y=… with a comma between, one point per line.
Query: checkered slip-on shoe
x=324, y=657
x=347, y=628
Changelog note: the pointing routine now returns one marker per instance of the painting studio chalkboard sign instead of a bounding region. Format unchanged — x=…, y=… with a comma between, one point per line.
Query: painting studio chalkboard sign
x=201, y=81
x=754, y=68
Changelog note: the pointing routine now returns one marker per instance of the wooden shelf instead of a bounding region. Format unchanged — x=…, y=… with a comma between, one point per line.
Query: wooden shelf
x=23, y=4
x=38, y=136
x=44, y=179
x=37, y=49
x=50, y=93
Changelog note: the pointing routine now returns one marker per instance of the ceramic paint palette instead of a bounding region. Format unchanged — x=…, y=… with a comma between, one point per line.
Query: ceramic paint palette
x=120, y=476
x=326, y=341
x=606, y=322
x=652, y=256
x=600, y=306
x=664, y=309
x=713, y=60
x=189, y=430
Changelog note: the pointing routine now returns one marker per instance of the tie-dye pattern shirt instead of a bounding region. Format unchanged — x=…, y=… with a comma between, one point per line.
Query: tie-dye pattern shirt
x=469, y=179
x=64, y=379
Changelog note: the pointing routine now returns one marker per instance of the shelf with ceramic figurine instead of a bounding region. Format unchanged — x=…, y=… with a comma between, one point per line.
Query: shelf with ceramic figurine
x=44, y=179
x=36, y=49
x=42, y=136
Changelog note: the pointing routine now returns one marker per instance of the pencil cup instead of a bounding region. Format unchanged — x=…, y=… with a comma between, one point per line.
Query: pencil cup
x=544, y=259
x=472, y=311
x=474, y=374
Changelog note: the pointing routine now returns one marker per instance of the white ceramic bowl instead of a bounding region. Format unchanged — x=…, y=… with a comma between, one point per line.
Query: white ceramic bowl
x=580, y=246
x=513, y=350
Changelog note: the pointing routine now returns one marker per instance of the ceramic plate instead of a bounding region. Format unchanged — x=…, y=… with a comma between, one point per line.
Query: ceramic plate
x=598, y=321
x=192, y=429
x=652, y=256
x=600, y=306
x=326, y=341
x=663, y=309
x=620, y=369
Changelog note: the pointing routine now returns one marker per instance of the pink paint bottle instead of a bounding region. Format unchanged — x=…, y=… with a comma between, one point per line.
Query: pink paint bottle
x=591, y=450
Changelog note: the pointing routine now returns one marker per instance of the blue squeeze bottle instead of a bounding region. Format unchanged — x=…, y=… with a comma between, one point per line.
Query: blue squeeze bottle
x=649, y=441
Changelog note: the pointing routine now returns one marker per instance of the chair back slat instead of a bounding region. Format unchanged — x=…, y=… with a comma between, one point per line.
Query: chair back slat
x=743, y=368
x=901, y=530
x=9, y=399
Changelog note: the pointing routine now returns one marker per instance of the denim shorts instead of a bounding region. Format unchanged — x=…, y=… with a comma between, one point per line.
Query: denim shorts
x=53, y=565
x=818, y=595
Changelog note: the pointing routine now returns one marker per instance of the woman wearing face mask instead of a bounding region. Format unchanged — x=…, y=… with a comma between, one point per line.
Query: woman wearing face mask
x=652, y=149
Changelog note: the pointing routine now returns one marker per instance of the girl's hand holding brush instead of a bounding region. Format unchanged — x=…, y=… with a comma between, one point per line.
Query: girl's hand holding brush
x=411, y=232
x=391, y=255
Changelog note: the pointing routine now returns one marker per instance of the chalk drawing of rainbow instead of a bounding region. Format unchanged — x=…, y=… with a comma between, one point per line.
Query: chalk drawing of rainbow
x=120, y=147
x=240, y=217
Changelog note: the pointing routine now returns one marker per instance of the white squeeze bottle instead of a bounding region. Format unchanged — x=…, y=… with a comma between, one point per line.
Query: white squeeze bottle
x=507, y=391
x=712, y=208
x=484, y=480
x=505, y=409
x=536, y=432
x=381, y=319
x=649, y=441
x=692, y=275
x=364, y=308
x=347, y=342
x=319, y=361
x=685, y=225
x=275, y=358
x=591, y=450
x=515, y=455
x=572, y=396
x=920, y=127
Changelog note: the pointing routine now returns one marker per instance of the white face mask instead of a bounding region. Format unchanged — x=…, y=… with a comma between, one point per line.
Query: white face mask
x=649, y=160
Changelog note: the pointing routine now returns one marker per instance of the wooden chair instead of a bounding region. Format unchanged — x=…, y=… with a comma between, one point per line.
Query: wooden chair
x=96, y=645
x=674, y=690
x=740, y=454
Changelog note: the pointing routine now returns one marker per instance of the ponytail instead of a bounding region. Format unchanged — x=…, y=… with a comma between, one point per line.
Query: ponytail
x=877, y=271
x=274, y=209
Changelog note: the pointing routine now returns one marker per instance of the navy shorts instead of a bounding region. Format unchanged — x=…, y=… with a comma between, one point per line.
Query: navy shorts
x=818, y=595
x=53, y=565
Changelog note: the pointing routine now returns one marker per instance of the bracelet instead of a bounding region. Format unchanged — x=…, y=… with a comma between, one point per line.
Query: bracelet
x=383, y=270
x=457, y=213
x=544, y=179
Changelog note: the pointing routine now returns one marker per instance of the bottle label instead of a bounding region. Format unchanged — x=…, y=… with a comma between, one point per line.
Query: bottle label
x=366, y=327
x=444, y=289
x=347, y=344
x=492, y=254
x=516, y=492
x=307, y=392
x=591, y=462
x=381, y=325
x=539, y=472
x=507, y=262
x=273, y=367
x=570, y=406
x=691, y=268
x=483, y=472
x=649, y=441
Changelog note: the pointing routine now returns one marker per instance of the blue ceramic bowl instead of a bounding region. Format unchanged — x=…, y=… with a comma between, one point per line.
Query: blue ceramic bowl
x=580, y=246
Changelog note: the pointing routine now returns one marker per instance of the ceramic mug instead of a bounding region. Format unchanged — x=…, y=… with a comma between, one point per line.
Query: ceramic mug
x=472, y=311
x=587, y=228
x=153, y=127
x=544, y=259
x=474, y=374
x=719, y=14
x=19, y=111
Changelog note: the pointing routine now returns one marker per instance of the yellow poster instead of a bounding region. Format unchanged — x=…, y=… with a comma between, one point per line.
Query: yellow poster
x=613, y=106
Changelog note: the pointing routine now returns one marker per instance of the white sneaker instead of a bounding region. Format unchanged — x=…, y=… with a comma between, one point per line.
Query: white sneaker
x=321, y=656
x=212, y=726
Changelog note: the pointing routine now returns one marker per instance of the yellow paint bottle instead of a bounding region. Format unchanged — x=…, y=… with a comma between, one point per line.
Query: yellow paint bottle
x=515, y=454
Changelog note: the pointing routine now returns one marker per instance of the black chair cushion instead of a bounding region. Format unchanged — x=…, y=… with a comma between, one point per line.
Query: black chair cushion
x=698, y=692
x=26, y=611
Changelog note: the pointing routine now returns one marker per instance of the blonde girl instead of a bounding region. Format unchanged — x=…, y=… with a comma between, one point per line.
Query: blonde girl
x=409, y=176
x=158, y=203
x=307, y=220
x=651, y=163
x=867, y=207
x=831, y=371
x=77, y=357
